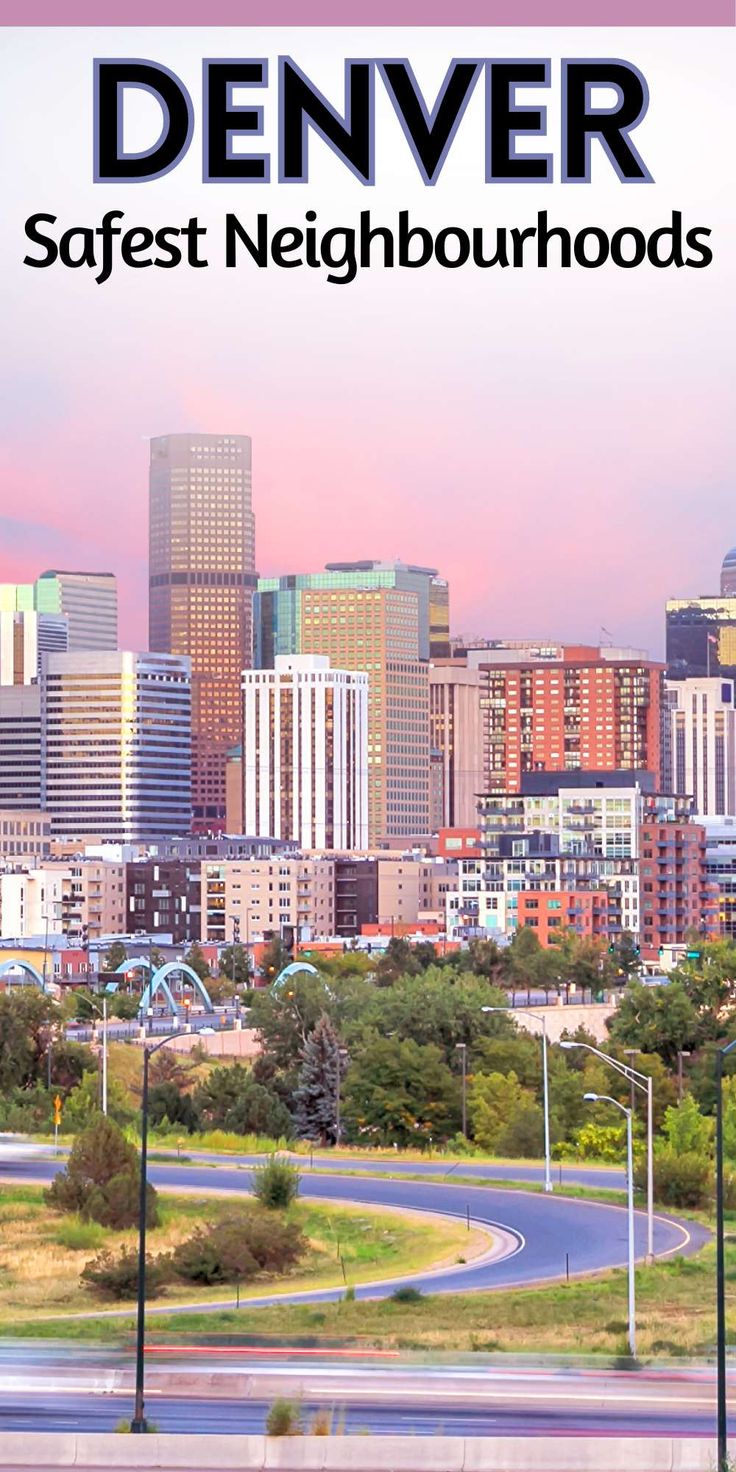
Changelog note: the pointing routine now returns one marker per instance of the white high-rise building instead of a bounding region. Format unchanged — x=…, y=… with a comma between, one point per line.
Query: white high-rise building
x=305, y=753
x=700, y=745
x=116, y=745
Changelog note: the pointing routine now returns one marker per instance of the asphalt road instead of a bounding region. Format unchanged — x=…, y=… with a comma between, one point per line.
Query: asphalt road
x=546, y=1236
x=404, y=1400
x=607, y=1178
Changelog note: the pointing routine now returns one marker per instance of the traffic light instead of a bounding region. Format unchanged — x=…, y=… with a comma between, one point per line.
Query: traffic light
x=57, y=1111
x=236, y=930
x=84, y=941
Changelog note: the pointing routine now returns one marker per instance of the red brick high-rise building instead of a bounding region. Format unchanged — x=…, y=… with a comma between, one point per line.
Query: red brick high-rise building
x=584, y=709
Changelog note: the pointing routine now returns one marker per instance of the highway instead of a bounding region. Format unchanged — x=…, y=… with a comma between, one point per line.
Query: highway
x=95, y=1392
x=542, y=1237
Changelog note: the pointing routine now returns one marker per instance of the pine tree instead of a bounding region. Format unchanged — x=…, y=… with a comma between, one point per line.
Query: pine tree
x=315, y=1097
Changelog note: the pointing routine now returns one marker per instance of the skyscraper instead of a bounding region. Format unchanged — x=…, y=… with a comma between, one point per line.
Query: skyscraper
x=586, y=709
x=700, y=744
x=116, y=745
x=701, y=637
x=201, y=581
x=88, y=601
x=305, y=753
x=24, y=637
x=361, y=620
x=456, y=734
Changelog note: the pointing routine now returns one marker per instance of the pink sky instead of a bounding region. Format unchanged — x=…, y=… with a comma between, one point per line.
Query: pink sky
x=559, y=445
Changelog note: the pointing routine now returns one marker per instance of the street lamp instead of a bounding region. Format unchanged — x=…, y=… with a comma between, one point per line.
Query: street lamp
x=641, y=1081
x=342, y=1054
x=539, y=1017
x=606, y=1099
x=138, y=1424
x=681, y=1053
x=722, y=1414
x=462, y=1049
x=102, y=1012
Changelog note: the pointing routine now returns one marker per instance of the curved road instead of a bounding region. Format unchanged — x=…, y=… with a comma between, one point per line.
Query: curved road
x=546, y=1235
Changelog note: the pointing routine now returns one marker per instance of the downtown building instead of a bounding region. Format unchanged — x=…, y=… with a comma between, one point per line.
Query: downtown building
x=87, y=602
x=560, y=840
x=201, y=583
x=383, y=620
x=305, y=753
x=572, y=708
x=116, y=745
x=699, y=744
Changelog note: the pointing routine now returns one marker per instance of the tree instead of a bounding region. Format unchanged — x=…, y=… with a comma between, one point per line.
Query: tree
x=168, y=1067
x=493, y=1100
x=709, y=979
x=232, y=1099
x=167, y=1102
x=83, y=1103
x=686, y=1130
x=195, y=958
x=274, y=958
x=485, y=958
x=439, y=1007
x=125, y=1005
x=658, y=1019
x=26, y=1015
x=102, y=1179
x=276, y=1184
x=283, y=1020
x=315, y=1096
x=235, y=964
x=398, y=960
x=115, y=954
x=626, y=956
x=523, y=960
x=729, y=1118
x=399, y=1092
x=68, y=1063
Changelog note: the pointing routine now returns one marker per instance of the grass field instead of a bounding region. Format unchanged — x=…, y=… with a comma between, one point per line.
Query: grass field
x=43, y=1253
x=675, y=1317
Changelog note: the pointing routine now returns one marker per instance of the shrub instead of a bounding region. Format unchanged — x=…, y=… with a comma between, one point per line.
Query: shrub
x=117, y=1277
x=283, y=1419
x=79, y=1236
x=101, y=1181
x=679, y=1179
x=406, y=1295
x=239, y=1247
x=275, y=1184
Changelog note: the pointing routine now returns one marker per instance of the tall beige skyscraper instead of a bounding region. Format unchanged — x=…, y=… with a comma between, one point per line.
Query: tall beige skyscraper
x=360, y=619
x=201, y=582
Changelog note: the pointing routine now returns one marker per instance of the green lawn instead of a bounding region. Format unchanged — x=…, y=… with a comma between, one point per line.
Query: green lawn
x=675, y=1317
x=42, y=1253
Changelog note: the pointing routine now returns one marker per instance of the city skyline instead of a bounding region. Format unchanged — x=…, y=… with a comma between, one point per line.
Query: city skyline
x=635, y=617
x=559, y=444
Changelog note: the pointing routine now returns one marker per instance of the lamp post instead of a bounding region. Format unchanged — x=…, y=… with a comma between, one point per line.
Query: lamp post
x=342, y=1053
x=681, y=1053
x=102, y=1012
x=138, y=1423
x=462, y=1049
x=641, y=1081
x=606, y=1099
x=722, y=1408
x=539, y=1017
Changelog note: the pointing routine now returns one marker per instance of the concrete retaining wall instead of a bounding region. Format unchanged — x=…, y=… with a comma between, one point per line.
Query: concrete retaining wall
x=357, y=1453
